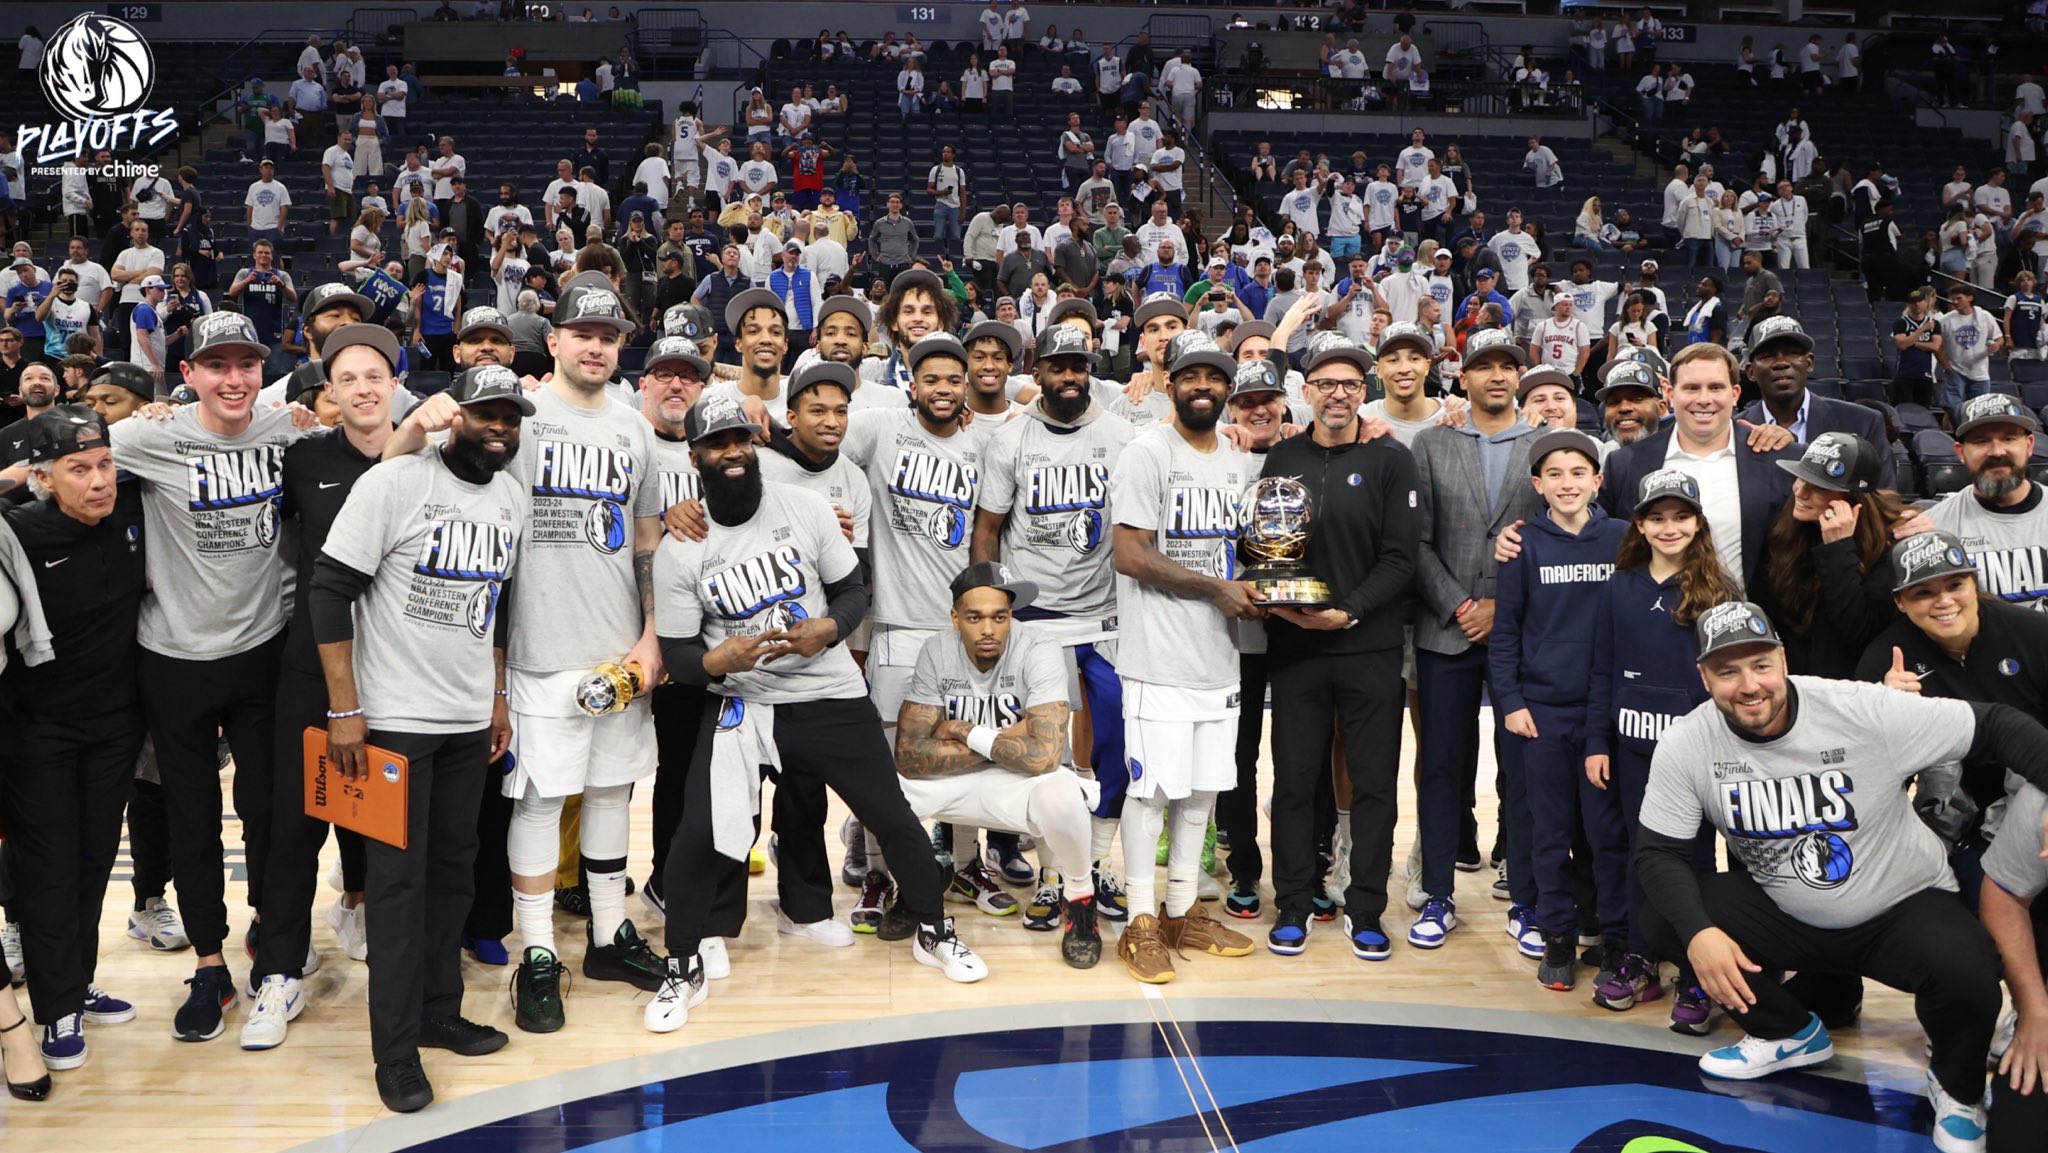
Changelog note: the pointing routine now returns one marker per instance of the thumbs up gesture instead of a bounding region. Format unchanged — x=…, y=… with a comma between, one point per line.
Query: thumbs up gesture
x=1897, y=677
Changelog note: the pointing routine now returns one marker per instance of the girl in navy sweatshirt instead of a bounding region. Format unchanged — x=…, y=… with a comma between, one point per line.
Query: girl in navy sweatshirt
x=1643, y=678
x=1541, y=656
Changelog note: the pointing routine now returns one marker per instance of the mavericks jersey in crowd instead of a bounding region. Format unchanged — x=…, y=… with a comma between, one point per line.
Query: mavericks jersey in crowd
x=769, y=573
x=923, y=489
x=589, y=473
x=1053, y=481
x=840, y=483
x=212, y=513
x=1030, y=672
x=1806, y=812
x=440, y=550
x=1189, y=500
x=2009, y=546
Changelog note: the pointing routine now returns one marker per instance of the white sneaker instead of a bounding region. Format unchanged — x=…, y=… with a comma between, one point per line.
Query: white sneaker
x=1958, y=1128
x=10, y=953
x=830, y=933
x=312, y=964
x=334, y=877
x=279, y=1001
x=717, y=962
x=941, y=948
x=1754, y=1057
x=157, y=923
x=1207, y=888
x=352, y=928
x=682, y=989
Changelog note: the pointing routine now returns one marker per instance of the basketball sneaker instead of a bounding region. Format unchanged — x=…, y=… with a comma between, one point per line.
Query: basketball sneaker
x=1690, y=1011
x=279, y=1001
x=1008, y=861
x=828, y=932
x=537, y=991
x=973, y=886
x=1081, y=940
x=1201, y=933
x=1438, y=917
x=872, y=902
x=1325, y=908
x=351, y=927
x=651, y=896
x=1630, y=983
x=157, y=923
x=1143, y=949
x=1958, y=1125
x=1243, y=902
x=10, y=953
x=628, y=959
x=717, y=961
x=1369, y=942
x=1559, y=970
x=460, y=1035
x=940, y=947
x=573, y=900
x=1754, y=1057
x=199, y=1018
x=1042, y=912
x=1289, y=935
x=1110, y=904
x=682, y=989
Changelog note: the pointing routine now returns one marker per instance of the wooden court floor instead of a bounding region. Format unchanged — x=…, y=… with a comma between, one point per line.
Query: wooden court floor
x=142, y=1090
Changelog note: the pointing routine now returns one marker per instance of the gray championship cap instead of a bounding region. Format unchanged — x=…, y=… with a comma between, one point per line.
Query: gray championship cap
x=741, y=304
x=716, y=414
x=1325, y=347
x=677, y=350
x=1058, y=340
x=1072, y=306
x=1194, y=349
x=1837, y=461
x=823, y=372
x=1158, y=304
x=1011, y=339
x=1247, y=330
x=937, y=344
x=1562, y=440
x=1541, y=375
x=483, y=317
x=1256, y=378
x=369, y=335
x=1732, y=625
x=1668, y=483
x=1994, y=408
x=691, y=321
x=224, y=330
x=491, y=382
x=1626, y=376
x=590, y=299
x=852, y=306
x=1415, y=336
x=1650, y=358
x=1487, y=342
x=322, y=297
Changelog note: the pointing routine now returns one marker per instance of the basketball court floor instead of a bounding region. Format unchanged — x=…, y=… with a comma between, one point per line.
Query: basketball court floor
x=862, y=1050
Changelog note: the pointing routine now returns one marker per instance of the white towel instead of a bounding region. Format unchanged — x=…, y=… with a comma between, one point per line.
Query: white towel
x=742, y=745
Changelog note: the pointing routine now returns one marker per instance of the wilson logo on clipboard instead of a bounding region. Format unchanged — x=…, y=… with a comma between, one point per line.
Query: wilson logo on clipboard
x=375, y=806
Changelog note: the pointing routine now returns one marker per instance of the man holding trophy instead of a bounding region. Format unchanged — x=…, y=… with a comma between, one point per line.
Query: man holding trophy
x=1330, y=539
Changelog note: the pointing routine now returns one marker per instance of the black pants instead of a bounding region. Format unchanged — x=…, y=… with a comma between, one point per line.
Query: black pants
x=490, y=911
x=1237, y=811
x=65, y=790
x=419, y=895
x=189, y=704
x=149, y=841
x=1448, y=752
x=292, y=867
x=836, y=743
x=1928, y=945
x=1361, y=695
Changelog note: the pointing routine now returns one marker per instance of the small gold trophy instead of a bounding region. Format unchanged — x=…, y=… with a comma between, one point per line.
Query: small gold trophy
x=609, y=688
x=1272, y=543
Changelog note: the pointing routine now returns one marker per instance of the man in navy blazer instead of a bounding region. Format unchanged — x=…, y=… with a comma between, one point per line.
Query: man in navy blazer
x=1741, y=487
x=1779, y=359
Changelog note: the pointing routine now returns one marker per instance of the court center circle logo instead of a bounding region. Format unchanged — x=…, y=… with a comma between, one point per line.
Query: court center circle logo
x=96, y=68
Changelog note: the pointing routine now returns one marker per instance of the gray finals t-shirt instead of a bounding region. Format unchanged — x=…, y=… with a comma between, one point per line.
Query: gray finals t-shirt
x=923, y=489
x=1821, y=816
x=1405, y=431
x=743, y=580
x=1190, y=501
x=439, y=550
x=2013, y=862
x=679, y=479
x=1053, y=482
x=1030, y=672
x=590, y=472
x=840, y=484
x=2010, y=549
x=212, y=509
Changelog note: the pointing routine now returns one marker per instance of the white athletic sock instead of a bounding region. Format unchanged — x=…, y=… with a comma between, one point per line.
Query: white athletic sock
x=607, y=904
x=1189, y=821
x=534, y=914
x=1142, y=821
x=1101, y=833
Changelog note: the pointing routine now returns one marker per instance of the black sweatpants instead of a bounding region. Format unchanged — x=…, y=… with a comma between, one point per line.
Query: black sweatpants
x=1362, y=696
x=836, y=743
x=292, y=870
x=1237, y=810
x=149, y=841
x=189, y=704
x=65, y=788
x=490, y=911
x=419, y=896
x=1928, y=945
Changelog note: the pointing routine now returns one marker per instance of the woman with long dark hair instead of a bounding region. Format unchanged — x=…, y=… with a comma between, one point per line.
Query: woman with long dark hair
x=1827, y=579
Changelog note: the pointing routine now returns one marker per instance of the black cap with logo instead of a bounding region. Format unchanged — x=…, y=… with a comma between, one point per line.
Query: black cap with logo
x=1668, y=483
x=1838, y=462
x=122, y=374
x=491, y=382
x=990, y=574
x=1732, y=625
x=63, y=430
x=590, y=299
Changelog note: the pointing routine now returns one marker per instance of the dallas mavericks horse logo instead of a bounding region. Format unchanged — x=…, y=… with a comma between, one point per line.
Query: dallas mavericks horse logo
x=96, y=68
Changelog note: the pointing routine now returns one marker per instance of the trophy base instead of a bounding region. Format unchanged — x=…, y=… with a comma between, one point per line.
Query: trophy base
x=1293, y=592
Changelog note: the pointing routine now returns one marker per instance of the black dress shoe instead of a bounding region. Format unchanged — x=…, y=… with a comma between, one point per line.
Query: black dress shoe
x=461, y=1036
x=403, y=1085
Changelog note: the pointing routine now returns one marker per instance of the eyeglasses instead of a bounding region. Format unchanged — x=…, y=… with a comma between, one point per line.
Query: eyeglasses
x=1336, y=384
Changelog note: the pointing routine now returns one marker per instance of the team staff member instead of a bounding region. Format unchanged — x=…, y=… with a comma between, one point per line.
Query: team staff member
x=1340, y=665
x=1804, y=778
x=2001, y=517
x=76, y=720
x=212, y=476
x=789, y=697
x=980, y=737
x=595, y=518
x=1043, y=510
x=414, y=569
x=319, y=474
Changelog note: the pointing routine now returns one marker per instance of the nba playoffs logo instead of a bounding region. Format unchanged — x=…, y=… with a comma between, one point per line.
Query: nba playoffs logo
x=96, y=74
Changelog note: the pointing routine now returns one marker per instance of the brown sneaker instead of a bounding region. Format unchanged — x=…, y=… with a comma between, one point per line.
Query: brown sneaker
x=1201, y=933
x=1144, y=951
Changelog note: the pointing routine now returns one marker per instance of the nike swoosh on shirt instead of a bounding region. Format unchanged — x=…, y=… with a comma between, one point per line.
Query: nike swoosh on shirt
x=55, y=563
x=327, y=484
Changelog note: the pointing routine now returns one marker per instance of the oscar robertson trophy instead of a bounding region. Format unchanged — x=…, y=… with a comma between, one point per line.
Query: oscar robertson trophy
x=609, y=688
x=1272, y=544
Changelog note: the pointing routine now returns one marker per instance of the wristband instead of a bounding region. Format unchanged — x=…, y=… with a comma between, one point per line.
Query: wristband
x=501, y=693
x=982, y=739
x=334, y=716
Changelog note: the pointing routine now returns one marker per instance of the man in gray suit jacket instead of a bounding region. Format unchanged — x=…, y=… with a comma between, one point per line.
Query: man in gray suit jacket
x=1473, y=482
x=1778, y=361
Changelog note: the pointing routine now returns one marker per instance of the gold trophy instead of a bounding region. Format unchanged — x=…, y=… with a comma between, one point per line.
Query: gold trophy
x=1272, y=543
x=609, y=688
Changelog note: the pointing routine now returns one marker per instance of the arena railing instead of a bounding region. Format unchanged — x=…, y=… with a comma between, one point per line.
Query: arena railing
x=371, y=26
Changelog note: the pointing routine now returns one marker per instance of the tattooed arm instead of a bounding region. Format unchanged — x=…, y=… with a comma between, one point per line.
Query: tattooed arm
x=929, y=744
x=1033, y=745
x=647, y=531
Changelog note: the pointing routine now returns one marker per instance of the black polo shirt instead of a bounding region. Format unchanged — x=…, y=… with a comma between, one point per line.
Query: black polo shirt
x=319, y=473
x=90, y=579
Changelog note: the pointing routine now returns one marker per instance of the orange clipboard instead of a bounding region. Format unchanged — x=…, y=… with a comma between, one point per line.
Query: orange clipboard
x=375, y=806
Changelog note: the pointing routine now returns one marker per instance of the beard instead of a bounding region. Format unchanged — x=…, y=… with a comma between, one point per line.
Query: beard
x=1990, y=487
x=1063, y=410
x=924, y=410
x=469, y=453
x=1193, y=420
x=731, y=500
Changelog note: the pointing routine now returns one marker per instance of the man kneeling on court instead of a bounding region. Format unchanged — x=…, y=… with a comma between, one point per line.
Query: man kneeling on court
x=1806, y=779
x=979, y=737
x=756, y=612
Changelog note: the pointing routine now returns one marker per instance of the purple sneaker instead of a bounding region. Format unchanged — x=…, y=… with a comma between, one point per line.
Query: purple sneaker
x=1633, y=982
x=1690, y=1010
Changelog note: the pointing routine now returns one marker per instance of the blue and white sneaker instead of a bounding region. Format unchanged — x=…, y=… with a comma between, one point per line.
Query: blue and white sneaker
x=1754, y=1057
x=1368, y=942
x=64, y=1042
x=1518, y=920
x=1438, y=917
x=101, y=1009
x=1958, y=1127
x=279, y=1001
x=1289, y=936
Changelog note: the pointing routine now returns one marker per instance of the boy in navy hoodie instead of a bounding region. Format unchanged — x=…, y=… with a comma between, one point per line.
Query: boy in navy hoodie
x=1545, y=613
